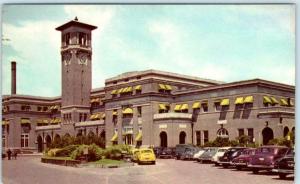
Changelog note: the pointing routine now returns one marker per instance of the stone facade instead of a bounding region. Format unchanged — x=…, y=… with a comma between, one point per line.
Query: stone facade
x=144, y=107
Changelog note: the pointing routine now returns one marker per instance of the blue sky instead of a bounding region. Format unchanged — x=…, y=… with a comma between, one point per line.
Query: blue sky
x=222, y=42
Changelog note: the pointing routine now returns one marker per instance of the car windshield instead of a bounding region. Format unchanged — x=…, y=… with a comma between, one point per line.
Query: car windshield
x=221, y=150
x=265, y=150
x=291, y=152
x=146, y=151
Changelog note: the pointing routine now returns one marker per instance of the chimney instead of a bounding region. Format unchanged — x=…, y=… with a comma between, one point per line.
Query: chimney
x=13, y=77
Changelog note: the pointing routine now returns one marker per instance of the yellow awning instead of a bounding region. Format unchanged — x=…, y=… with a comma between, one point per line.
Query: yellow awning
x=184, y=107
x=177, y=107
x=168, y=87
x=274, y=100
x=55, y=107
x=103, y=115
x=162, y=106
x=267, y=100
x=129, y=89
x=291, y=102
x=120, y=90
x=97, y=100
x=97, y=116
x=138, y=87
x=124, y=90
x=196, y=105
x=248, y=99
x=43, y=121
x=162, y=86
x=25, y=121
x=225, y=102
x=56, y=120
x=239, y=100
x=128, y=111
x=115, y=137
x=5, y=122
x=92, y=116
x=114, y=92
x=92, y=100
x=115, y=113
x=139, y=137
x=283, y=102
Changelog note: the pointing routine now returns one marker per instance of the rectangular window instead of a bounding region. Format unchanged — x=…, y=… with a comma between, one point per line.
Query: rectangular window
x=84, y=117
x=217, y=106
x=239, y=106
x=205, y=132
x=24, y=140
x=3, y=140
x=139, y=111
x=241, y=131
x=198, y=138
x=204, y=107
x=251, y=134
x=25, y=108
x=39, y=108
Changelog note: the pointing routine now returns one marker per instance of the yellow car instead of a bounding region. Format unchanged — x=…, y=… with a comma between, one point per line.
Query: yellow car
x=134, y=153
x=146, y=155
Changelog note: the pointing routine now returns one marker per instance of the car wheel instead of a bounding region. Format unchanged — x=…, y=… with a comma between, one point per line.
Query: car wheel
x=282, y=175
x=225, y=166
x=239, y=168
x=153, y=162
x=216, y=164
x=255, y=171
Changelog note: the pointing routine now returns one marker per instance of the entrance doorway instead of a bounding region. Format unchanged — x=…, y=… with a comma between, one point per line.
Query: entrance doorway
x=48, y=141
x=267, y=134
x=285, y=131
x=163, y=139
x=40, y=143
x=182, y=137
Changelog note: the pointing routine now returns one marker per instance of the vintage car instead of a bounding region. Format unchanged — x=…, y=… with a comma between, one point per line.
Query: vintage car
x=135, y=153
x=208, y=154
x=242, y=161
x=221, y=151
x=286, y=165
x=265, y=156
x=182, y=148
x=199, y=153
x=146, y=155
x=188, y=154
x=229, y=155
x=165, y=153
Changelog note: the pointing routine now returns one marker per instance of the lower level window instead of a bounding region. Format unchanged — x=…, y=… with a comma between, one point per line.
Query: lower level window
x=205, y=132
x=24, y=140
x=3, y=140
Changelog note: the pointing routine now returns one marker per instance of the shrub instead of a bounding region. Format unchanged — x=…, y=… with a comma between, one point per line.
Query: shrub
x=52, y=152
x=66, y=151
x=113, y=152
x=94, y=152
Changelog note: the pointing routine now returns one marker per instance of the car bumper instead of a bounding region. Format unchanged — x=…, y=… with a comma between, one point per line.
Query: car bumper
x=165, y=156
x=261, y=166
x=223, y=163
x=238, y=164
x=285, y=171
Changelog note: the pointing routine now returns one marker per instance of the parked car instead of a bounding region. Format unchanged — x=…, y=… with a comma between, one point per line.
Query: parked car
x=188, y=154
x=135, y=153
x=243, y=159
x=265, y=157
x=208, y=154
x=229, y=155
x=286, y=165
x=199, y=153
x=180, y=149
x=221, y=151
x=157, y=150
x=165, y=153
x=146, y=155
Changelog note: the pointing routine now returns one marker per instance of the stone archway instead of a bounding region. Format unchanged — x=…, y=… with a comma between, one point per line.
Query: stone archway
x=267, y=134
x=285, y=131
x=182, y=137
x=163, y=139
x=40, y=143
x=48, y=141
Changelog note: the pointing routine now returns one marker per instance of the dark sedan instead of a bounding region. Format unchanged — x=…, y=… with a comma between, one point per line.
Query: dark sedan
x=165, y=153
x=265, y=156
x=285, y=165
x=229, y=155
x=242, y=161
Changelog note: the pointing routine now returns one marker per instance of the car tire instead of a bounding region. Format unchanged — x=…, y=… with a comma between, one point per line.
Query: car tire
x=255, y=171
x=225, y=166
x=153, y=162
x=239, y=168
x=217, y=164
x=282, y=175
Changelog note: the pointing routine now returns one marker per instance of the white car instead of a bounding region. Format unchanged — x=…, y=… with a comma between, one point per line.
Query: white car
x=199, y=153
x=221, y=151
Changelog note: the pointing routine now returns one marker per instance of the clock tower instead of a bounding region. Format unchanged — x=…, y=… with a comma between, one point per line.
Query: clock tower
x=76, y=68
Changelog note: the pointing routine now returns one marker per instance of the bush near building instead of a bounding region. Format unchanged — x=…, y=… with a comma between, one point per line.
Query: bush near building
x=222, y=142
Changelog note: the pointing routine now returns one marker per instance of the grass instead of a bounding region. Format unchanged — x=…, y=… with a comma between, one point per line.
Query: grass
x=58, y=158
x=108, y=162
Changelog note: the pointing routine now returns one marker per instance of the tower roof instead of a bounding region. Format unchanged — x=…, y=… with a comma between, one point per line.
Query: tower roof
x=77, y=24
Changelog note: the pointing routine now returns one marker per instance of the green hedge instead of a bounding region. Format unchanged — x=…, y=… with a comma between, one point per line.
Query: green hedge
x=66, y=151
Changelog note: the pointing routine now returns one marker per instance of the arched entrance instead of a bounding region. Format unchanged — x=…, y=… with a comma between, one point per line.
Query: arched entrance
x=163, y=139
x=267, y=134
x=182, y=137
x=40, y=143
x=102, y=135
x=48, y=141
x=285, y=131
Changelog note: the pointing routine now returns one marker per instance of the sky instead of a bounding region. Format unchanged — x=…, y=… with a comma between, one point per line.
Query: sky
x=220, y=42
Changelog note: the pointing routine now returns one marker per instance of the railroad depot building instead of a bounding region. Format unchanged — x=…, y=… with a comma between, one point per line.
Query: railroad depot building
x=143, y=107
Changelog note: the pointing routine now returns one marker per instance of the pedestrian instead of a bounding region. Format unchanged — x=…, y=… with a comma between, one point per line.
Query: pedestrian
x=15, y=154
x=8, y=154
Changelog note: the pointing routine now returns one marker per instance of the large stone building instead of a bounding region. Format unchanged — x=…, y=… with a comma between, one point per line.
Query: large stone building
x=144, y=107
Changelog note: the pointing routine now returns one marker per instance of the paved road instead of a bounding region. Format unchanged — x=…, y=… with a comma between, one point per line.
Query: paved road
x=29, y=170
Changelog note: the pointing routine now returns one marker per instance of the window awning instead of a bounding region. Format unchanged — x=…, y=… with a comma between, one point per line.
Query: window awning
x=267, y=100
x=128, y=111
x=168, y=87
x=56, y=120
x=225, y=102
x=120, y=90
x=239, y=100
x=184, y=107
x=115, y=137
x=274, y=100
x=196, y=105
x=114, y=92
x=5, y=122
x=129, y=89
x=177, y=107
x=43, y=121
x=162, y=107
x=115, y=113
x=291, y=102
x=283, y=102
x=103, y=115
x=138, y=87
x=25, y=121
x=139, y=137
x=248, y=99
x=95, y=116
x=124, y=90
x=94, y=100
x=162, y=86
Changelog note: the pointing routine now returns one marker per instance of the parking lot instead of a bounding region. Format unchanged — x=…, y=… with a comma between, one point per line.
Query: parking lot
x=31, y=170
